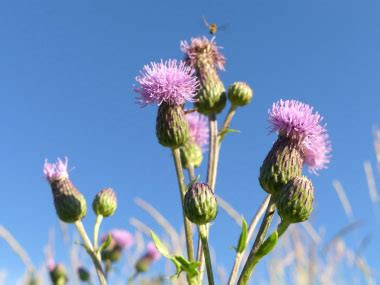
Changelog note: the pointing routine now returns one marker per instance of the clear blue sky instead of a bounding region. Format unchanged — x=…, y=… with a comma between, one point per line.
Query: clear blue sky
x=66, y=75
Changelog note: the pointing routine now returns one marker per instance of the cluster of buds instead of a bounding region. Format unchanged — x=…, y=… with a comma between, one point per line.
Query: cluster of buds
x=57, y=272
x=120, y=240
x=301, y=140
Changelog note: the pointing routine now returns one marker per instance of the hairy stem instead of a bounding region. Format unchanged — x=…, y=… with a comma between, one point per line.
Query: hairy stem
x=250, y=263
x=182, y=188
x=90, y=250
x=251, y=228
x=204, y=239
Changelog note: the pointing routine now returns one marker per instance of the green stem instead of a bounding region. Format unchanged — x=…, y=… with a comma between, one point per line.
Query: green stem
x=90, y=250
x=98, y=221
x=212, y=159
x=227, y=122
x=250, y=263
x=204, y=239
x=182, y=188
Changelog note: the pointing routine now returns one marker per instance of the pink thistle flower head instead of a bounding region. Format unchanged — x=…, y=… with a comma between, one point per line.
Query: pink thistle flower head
x=297, y=121
x=169, y=81
x=152, y=251
x=56, y=171
x=199, y=130
x=50, y=264
x=203, y=47
x=120, y=238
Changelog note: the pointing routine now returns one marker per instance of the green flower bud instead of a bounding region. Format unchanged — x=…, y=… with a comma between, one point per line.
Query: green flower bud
x=83, y=274
x=283, y=162
x=240, y=94
x=143, y=264
x=105, y=203
x=191, y=154
x=69, y=203
x=113, y=254
x=58, y=275
x=295, y=202
x=211, y=97
x=200, y=204
x=172, y=129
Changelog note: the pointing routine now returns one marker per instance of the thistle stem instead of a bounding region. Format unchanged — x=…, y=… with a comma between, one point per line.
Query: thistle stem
x=90, y=250
x=204, y=239
x=213, y=153
x=251, y=228
x=98, y=221
x=227, y=122
x=182, y=188
x=251, y=261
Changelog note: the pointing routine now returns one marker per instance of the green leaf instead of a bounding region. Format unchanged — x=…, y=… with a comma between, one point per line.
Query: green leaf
x=267, y=246
x=105, y=244
x=226, y=131
x=243, y=237
x=181, y=264
x=160, y=246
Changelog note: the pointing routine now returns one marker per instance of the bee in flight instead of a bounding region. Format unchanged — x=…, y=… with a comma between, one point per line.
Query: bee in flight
x=213, y=27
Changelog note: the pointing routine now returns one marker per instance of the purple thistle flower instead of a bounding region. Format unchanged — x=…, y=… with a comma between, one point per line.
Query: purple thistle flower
x=121, y=238
x=50, y=264
x=56, y=171
x=152, y=251
x=169, y=81
x=199, y=130
x=203, y=46
x=297, y=121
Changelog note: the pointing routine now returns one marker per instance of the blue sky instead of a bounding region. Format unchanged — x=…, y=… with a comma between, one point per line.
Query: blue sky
x=66, y=76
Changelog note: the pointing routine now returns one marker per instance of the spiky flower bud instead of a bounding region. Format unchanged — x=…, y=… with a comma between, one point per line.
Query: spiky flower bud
x=120, y=239
x=172, y=129
x=240, y=94
x=205, y=57
x=200, y=204
x=105, y=203
x=69, y=203
x=295, y=202
x=191, y=154
x=83, y=274
x=283, y=162
x=211, y=96
x=58, y=275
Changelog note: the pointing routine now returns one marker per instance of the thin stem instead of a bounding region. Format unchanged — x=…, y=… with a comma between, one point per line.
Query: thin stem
x=227, y=122
x=182, y=188
x=90, y=250
x=204, y=239
x=212, y=160
x=251, y=228
x=98, y=221
x=250, y=263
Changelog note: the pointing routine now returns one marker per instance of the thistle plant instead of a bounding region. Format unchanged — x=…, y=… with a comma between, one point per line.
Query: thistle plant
x=71, y=207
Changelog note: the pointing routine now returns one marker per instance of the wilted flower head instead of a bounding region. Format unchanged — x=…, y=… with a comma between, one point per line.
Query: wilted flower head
x=199, y=130
x=169, y=81
x=56, y=171
x=297, y=121
x=202, y=46
x=152, y=251
x=120, y=238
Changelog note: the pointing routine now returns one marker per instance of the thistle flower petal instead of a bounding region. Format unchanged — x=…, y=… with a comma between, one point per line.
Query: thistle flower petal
x=297, y=121
x=120, y=238
x=199, y=129
x=203, y=46
x=169, y=81
x=56, y=171
x=152, y=251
